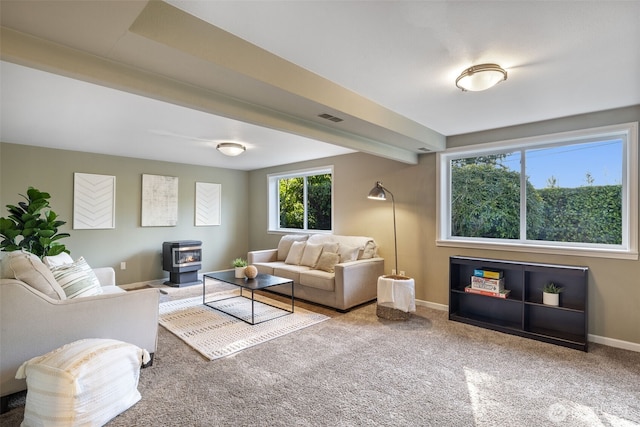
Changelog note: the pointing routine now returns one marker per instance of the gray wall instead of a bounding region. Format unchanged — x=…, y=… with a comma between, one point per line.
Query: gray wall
x=140, y=247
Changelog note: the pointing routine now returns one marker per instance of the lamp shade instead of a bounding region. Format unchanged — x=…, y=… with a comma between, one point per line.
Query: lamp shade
x=377, y=192
x=230, y=148
x=481, y=77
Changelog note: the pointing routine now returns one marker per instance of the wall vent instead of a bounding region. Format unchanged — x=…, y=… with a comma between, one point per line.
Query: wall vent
x=330, y=117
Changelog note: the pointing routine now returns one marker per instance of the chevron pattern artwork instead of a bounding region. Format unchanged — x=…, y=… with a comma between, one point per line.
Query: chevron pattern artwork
x=207, y=203
x=94, y=201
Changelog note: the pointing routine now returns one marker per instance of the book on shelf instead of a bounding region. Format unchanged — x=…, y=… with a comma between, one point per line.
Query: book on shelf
x=484, y=284
x=502, y=294
x=488, y=274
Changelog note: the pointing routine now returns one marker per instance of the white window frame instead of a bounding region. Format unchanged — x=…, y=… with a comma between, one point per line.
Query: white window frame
x=628, y=249
x=274, y=200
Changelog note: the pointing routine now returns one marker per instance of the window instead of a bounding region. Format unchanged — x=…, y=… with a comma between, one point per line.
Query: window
x=301, y=201
x=570, y=193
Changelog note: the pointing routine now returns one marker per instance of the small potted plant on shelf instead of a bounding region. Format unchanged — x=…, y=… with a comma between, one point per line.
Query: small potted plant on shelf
x=551, y=294
x=239, y=264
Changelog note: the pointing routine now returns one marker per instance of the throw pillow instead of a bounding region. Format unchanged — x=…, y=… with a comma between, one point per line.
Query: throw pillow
x=27, y=267
x=77, y=279
x=311, y=254
x=295, y=253
x=328, y=261
x=330, y=247
x=348, y=253
x=56, y=260
x=285, y=244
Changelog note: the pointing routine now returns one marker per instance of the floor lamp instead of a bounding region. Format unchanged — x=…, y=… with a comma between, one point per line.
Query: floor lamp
x=378, y=192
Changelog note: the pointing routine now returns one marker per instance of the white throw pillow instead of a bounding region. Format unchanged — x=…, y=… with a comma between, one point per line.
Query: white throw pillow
x=348, y=253
x=57, y=260
x=295, y=253
x=328, y=261
x=77, y=279
x=27, y=267
x=285, y=244
x=311, y=254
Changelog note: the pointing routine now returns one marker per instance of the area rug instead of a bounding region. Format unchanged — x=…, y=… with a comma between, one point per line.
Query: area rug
x=215, y=334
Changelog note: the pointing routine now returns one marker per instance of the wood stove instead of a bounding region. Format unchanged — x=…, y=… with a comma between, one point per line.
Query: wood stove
x=182, y=259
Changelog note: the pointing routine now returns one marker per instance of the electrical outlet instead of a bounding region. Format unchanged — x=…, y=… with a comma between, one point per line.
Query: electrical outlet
x=123, y=265
x=393, y=271
x=401, y=273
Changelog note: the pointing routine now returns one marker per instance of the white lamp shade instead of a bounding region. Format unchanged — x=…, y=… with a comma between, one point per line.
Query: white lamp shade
x=480, y=77
x=231, y=148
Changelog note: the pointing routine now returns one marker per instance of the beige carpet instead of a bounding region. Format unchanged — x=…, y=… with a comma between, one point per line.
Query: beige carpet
x=215, y=334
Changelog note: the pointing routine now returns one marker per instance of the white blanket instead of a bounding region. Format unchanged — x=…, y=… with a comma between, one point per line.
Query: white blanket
x=398, y=294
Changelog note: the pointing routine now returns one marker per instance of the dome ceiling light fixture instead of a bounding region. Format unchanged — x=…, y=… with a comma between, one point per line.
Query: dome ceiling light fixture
x=480, y=77
x=231, y=148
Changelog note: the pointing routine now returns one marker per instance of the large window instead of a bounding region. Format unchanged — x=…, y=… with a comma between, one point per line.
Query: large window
x=570, y=193
x=301, y=201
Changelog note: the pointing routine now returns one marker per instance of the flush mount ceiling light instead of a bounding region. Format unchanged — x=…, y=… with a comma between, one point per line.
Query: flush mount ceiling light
x=481, y=77
x=230, y=148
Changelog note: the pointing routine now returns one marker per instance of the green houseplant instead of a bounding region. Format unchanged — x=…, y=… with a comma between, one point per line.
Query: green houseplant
x=239, y=264
x=32, y=226
x=551, y=294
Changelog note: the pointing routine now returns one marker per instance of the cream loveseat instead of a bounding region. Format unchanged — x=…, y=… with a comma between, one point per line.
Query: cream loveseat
x=336, y=271
x=36, y=316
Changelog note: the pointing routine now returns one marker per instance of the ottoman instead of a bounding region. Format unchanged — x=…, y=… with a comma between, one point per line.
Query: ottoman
x=87, y=382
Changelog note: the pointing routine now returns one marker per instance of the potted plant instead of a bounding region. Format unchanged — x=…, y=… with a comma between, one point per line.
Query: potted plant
x=32, y=226
x=551, y=294
x=239, y=264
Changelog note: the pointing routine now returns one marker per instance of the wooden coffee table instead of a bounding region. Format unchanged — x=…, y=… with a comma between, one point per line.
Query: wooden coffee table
x=260, y=282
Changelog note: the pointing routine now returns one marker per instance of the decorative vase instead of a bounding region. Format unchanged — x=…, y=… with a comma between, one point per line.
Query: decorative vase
x=251, y=272
x=239, y=272
x=550, y=299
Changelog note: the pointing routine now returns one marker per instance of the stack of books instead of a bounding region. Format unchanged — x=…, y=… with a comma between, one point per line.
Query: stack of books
x=488, y=282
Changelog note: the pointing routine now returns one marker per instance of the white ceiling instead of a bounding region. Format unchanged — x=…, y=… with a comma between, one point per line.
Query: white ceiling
x=387, y=67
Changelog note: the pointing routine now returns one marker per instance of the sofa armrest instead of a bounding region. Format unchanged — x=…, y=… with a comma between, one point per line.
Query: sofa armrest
x=106, y=276
x=266, y=255
x=356, y=281
x=33, y=324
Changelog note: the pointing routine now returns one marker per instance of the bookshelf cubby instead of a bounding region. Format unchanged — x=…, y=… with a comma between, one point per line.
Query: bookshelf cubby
x=522, y=312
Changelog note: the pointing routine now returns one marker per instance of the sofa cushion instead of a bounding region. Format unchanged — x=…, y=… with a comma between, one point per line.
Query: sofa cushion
x=318, y=279
x=290, y=271
x=28, y=268
x=310, y=255
x=295, y=253
x=328, y=261
x=285, y=244
x=77, y=279
x=348, y=253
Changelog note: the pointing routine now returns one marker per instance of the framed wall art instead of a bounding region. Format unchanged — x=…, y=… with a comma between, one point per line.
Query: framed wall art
x=159, y=201
x=207, y=204
x=94, y=201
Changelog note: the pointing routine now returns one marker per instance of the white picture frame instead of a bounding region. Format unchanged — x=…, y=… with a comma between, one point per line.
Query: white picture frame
x=207, y=209
x=159, y=201
x=94, y=201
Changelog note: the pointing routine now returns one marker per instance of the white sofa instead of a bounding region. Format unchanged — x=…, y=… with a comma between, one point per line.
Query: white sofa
x=335, y=271
x=35, y=318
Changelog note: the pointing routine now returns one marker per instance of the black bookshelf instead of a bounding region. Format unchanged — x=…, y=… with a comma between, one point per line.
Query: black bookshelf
x=522, y=312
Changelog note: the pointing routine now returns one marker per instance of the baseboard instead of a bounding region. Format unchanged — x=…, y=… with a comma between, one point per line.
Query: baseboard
x=433, y=305
x=611, y=342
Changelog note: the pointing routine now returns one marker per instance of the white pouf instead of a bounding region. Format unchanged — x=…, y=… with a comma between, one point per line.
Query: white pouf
x=87, y=382
x=396, y=297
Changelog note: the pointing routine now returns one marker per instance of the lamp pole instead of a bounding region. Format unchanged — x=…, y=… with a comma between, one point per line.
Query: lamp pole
x=379, y=193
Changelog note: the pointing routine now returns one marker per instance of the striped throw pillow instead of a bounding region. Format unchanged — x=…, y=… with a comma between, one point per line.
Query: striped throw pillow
x=77, y=279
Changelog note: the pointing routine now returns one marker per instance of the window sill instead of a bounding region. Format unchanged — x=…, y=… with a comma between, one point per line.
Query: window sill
x=516, y=247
